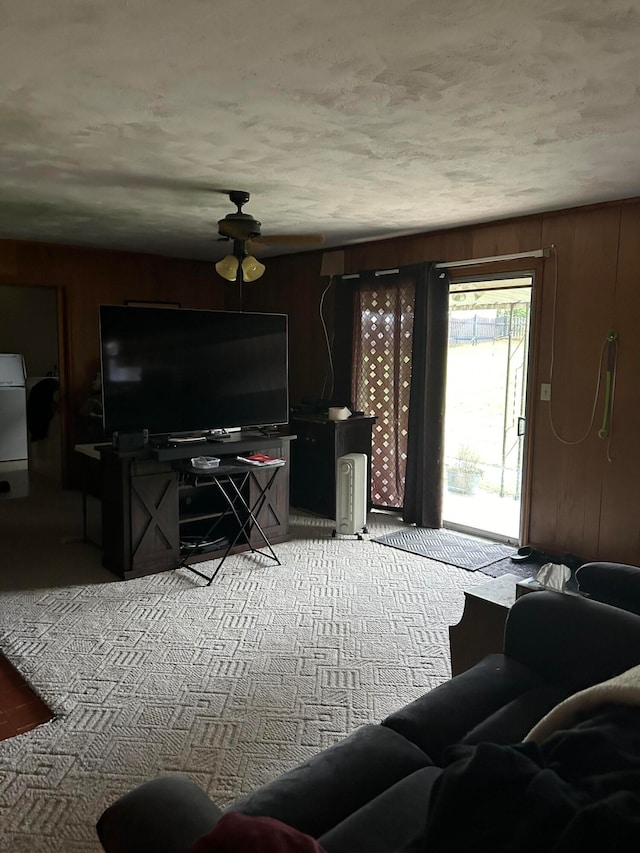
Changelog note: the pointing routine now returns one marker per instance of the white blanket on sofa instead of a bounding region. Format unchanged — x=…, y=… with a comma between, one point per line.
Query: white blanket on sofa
x=623, y=689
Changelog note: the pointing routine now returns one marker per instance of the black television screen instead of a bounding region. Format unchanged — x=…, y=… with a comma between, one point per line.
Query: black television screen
x=172, y=370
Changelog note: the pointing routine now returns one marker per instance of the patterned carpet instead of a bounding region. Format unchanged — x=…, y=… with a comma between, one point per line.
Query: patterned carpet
x=231, y=684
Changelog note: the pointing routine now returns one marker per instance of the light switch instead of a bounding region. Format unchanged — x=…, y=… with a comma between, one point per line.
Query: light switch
x=545, y=391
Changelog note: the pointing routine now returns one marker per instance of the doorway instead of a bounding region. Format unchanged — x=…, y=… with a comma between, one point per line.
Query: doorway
x=487, y=363
x=30, y=327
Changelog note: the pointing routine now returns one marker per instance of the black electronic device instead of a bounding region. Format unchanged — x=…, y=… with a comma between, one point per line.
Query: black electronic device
x=174, y=371
x=128, y=442
x=198, y=544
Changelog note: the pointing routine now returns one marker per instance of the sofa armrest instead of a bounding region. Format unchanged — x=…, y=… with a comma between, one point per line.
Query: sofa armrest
x=164, y=815
x=570, y=640
x=614, y=583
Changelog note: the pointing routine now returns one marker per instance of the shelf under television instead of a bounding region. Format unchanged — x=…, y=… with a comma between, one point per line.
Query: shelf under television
x=216, y=555
x=202, y=516
x=237, y=549
x=245, y=442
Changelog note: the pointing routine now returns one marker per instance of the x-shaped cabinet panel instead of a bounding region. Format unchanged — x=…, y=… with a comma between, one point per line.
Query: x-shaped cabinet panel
x=154, y=521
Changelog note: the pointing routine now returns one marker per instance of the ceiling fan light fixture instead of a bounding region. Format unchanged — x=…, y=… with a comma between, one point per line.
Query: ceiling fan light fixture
x=252, y=269
x=228, y=267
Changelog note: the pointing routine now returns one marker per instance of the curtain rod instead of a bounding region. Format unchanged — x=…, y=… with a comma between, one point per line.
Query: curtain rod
x=375, y=272
x=447, y=265
x=536, y=253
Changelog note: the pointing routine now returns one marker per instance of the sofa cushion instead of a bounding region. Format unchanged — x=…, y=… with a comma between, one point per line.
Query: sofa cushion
x=512, y=722
x=449, y=712
x=389, y=821
x=578, y=790
x=342, y=778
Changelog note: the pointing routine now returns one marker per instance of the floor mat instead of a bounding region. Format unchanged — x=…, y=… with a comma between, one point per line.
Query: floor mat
x=456, y=549
x=507, y=566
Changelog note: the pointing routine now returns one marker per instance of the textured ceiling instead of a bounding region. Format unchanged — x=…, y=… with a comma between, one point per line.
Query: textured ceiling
x=357, y=118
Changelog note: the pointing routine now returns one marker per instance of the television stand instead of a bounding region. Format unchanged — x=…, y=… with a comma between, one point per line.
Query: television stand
x=149, y=505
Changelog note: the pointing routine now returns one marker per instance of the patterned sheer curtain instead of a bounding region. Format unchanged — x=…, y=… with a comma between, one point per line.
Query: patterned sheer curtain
x=381, y=375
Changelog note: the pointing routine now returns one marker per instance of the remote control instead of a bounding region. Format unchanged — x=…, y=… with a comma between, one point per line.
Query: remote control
x=192, y=439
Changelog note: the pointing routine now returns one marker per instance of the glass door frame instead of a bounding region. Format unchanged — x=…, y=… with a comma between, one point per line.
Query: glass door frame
x=530, y=382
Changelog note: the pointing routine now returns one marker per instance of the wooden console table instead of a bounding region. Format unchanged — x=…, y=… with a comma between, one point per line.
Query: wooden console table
x=321, y=442
x=148, y=506
x=480, y=631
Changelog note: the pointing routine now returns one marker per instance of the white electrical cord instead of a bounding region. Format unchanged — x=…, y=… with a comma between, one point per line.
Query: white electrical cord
x=600, y=361
x=613, y=397
x=328, y=343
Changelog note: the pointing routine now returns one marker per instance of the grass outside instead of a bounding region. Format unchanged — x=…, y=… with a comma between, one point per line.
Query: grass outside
x=475, y=407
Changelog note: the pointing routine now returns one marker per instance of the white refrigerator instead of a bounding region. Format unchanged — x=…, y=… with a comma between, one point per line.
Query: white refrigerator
x=13, y=408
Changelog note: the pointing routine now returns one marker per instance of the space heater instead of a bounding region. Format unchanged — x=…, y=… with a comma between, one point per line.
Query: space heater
x=351, y=494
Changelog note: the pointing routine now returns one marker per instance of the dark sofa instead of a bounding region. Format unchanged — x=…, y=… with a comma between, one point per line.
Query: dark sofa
x=370, y=792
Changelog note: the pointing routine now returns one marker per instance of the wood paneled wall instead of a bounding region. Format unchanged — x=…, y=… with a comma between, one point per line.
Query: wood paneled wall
x=86, y=278
x=292, y=285
x=581, y=498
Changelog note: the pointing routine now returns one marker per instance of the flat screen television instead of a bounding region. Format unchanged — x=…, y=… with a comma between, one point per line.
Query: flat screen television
x=172, y=370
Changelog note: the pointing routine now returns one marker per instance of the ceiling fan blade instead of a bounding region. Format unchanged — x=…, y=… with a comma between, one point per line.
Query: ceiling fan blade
x=130, y=180
x=233, y=230
x=290, y=239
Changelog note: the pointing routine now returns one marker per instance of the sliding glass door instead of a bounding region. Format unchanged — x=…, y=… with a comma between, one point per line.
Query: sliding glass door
x=485, y=405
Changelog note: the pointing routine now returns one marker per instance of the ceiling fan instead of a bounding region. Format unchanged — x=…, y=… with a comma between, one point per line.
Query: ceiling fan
x=245, y=232
x=241, y=228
